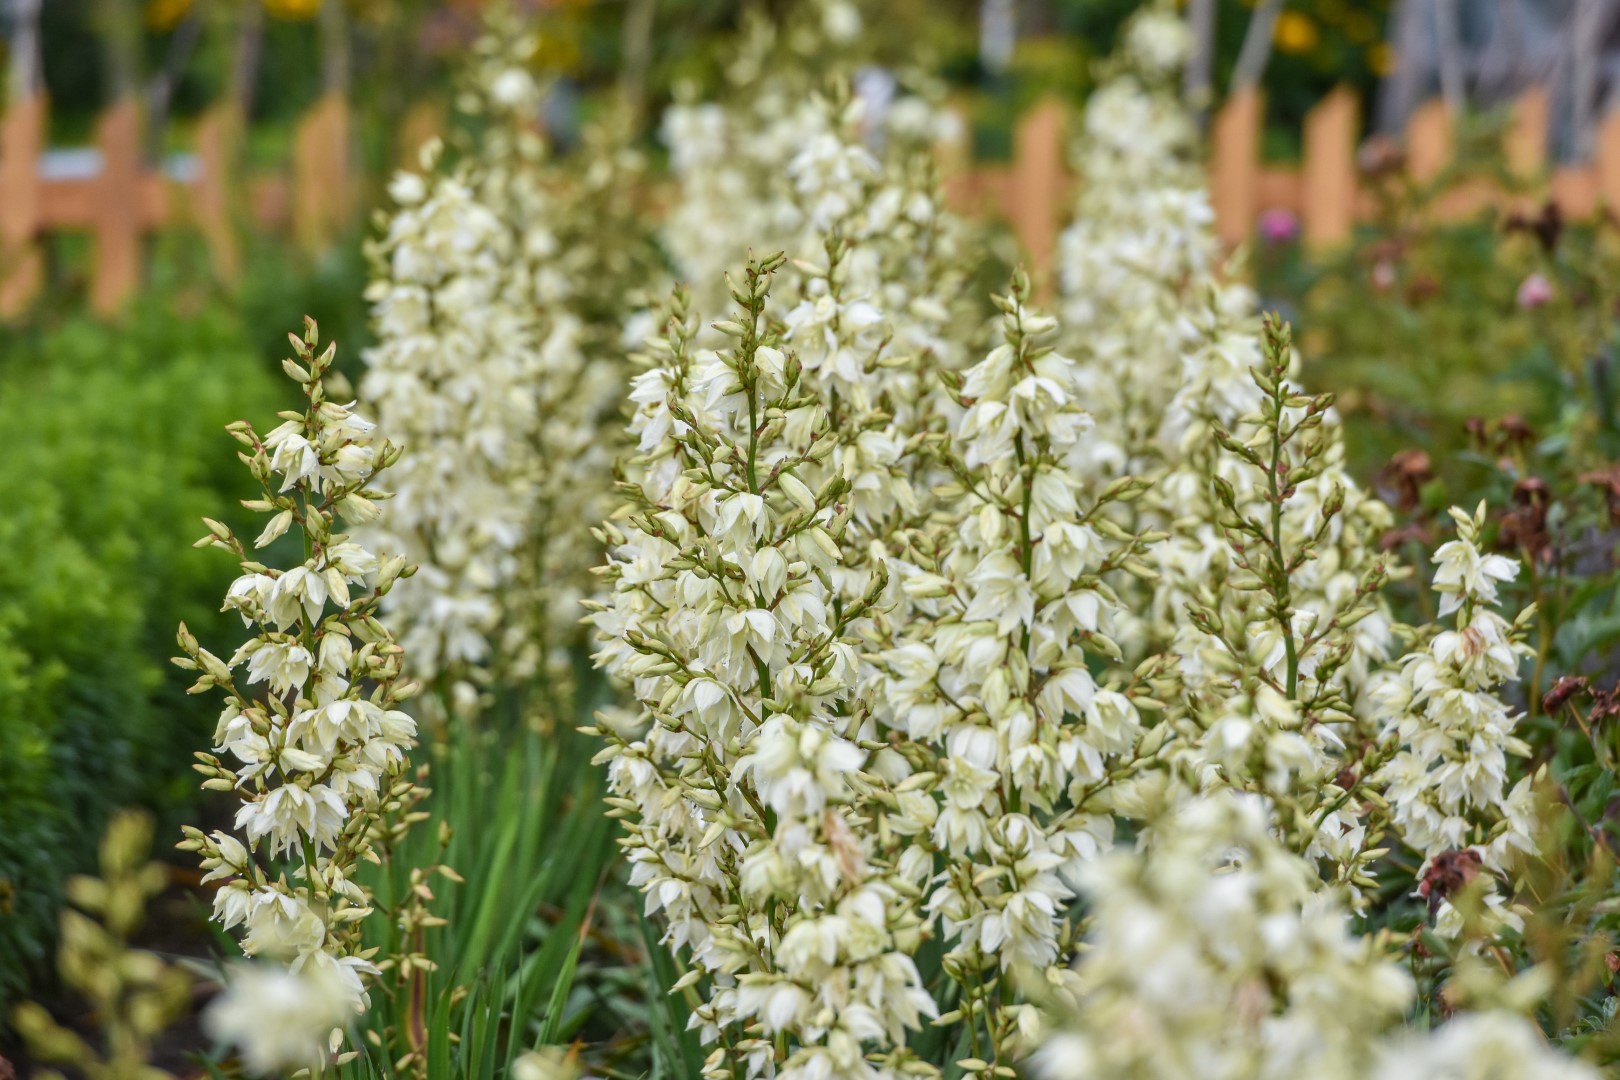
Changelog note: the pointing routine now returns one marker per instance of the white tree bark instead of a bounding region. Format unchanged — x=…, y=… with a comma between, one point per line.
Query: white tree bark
x=24, y=77
x=335, y=65
x=998, y=34
x=1586, y=30
x=1408, y=42
x=1448, y=53
x=1256, y=52
x=1198, y=83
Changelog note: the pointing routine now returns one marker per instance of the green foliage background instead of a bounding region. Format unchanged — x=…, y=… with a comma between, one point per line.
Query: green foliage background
x=112, y=452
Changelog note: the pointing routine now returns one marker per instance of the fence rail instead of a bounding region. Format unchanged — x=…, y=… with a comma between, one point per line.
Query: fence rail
x=1326, y=190
x=112, y=193
x=118, y=198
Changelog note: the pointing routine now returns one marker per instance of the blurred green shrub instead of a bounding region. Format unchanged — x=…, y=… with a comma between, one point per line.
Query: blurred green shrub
x=1417, y=332
x=112, y=452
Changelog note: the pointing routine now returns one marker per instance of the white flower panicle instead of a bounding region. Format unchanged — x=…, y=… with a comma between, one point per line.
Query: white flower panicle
x=312, y=736
x=752, y=554
x=1218, y=954
x=1265, y=592
x=454, y=376
x=280, y=1019
x=742, y=778
x=744, y=164
x=1166, y=349
x=1452, y=736
x=481, y=370
x=1269, y=602
x=981, y=670
x=1478, y=1046
x=1141, y=250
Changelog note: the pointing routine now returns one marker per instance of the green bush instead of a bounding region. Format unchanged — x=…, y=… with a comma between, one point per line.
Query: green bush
x=113, y=451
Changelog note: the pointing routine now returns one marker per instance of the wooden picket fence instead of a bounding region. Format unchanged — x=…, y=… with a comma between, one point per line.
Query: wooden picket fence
x=116, y=197
x=1325, y=192
x=122, y=199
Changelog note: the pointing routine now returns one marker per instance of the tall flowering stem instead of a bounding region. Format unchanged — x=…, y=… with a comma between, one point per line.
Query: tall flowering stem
x=1451, y=738
x=501, y=283
x=742, y=778
x=1218, y=953
x=986, y=681
x=312, y=738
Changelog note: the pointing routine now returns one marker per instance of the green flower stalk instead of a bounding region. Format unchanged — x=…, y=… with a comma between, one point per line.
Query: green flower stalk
x=312, y=735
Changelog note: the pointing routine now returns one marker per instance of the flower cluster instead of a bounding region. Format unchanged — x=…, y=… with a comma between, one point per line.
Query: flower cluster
x=946, y=708
x=1002, y=692
x=1266, y=588
x=312, y=734
x=1264, y=616
x=742, y=162
x=1218, y=954
x=281, y=1018
x=1447, y=783
x=1140, y=253
x=984, y=670
x=744, y=774
x=496, y=369
x=958, y=586
x=928, y=635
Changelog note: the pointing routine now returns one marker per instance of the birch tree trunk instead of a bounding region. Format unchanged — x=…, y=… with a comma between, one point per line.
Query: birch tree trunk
x=1407, y=40
x=1448, y=53
x=24, y=77
x=1198, y=84
x=336, y=74
x=1586, y=29
x=1256, y=52
x=245, y=67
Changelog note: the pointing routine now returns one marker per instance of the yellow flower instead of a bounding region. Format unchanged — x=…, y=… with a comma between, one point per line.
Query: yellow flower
x=1295, y=32
x=292, y=9
x=1381, y=59
x=165, y=14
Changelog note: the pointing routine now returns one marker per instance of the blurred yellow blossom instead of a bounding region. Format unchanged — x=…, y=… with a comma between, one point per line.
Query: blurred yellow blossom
x=165, y=14
x=292, y=9
x=1381, y=59
x=1295, y=32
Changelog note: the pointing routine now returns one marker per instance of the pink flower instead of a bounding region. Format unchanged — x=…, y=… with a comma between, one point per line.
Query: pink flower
x=1278, y=226
x=1534, y=291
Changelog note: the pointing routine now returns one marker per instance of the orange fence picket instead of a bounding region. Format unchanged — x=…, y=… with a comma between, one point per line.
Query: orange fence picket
x=1039, y=188
x=1607, y=159
x=1428, y=141
x=116, y=217
x=1234, y=165
x=123, y=199
x=22, y=136
x=113, y=194
x=1324, y=190
x=219, y=138
x=321, y=187
x=1329, y=171
x=1524, y=147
